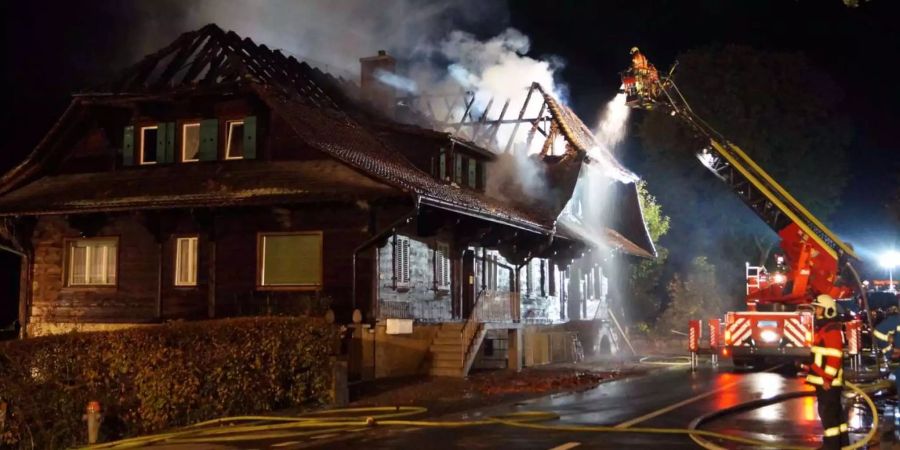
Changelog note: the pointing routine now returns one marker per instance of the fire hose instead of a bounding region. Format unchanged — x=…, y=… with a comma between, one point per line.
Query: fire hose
x=321, y=424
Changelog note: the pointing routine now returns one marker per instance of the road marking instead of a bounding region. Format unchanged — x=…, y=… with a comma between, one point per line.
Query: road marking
x=669, y=408
x=567, y=446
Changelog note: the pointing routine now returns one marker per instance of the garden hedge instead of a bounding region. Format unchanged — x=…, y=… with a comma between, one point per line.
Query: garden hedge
x=148, y=379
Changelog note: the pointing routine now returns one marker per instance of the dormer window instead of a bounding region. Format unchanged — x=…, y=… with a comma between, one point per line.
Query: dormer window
x=190, y=142
x=234, y=140
x=148, y=139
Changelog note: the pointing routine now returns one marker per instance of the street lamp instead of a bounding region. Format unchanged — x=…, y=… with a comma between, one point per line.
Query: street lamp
x=889, y=260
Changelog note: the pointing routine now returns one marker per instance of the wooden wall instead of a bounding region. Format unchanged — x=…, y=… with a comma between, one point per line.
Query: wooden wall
x=139, y=297
x=133, y=299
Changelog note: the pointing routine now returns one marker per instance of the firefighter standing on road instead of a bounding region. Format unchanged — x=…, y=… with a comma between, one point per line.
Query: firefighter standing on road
x=827, y=373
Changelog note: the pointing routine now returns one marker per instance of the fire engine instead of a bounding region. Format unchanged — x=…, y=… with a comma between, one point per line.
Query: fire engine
x=778, y=322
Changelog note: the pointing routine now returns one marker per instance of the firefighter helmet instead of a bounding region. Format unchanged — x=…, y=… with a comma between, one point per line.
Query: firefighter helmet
x=826, y=302
x=634, y=50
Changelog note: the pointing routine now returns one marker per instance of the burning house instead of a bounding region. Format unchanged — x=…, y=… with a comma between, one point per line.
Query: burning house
x=218, y=177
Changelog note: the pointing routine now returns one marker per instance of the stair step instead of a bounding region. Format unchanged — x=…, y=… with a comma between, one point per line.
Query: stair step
x=446, y=348
x=447, y=364
x=441, y=340
x=442, y=372
x=447, y=356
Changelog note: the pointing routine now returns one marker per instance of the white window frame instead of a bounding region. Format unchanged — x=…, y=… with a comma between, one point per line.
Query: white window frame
x=70, y=263
x=141, y=154
x=401, y=262
x=184, y=128
x=192, y=243
x=229, y=126
x=442, y=266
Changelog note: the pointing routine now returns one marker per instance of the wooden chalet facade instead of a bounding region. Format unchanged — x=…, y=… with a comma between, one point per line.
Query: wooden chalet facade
x=218, y=178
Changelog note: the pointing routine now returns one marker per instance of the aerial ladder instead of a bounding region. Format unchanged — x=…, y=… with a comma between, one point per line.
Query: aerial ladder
x=778, y=323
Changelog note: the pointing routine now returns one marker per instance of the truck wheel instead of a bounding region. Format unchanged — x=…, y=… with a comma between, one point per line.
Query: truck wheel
x=741, y=363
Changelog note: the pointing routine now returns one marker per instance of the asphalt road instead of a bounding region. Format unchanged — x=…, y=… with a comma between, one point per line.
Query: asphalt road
x=669, y=398
x=663, y=399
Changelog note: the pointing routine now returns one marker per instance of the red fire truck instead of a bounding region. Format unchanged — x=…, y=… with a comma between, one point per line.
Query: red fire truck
x=778, y=323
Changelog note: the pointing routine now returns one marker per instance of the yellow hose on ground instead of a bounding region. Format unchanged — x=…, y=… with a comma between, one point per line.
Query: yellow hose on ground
x=358, y=419
x=697, y=438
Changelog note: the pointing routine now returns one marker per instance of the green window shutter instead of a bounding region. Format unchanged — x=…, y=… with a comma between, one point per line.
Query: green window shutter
x=170, y=142
x=473, y=173
x=161, y=142
x=482, y=176
x=250, y=137
x=209, y=140
x=458, y=168
x=128, y=146
x=442, y=159
x=165, y=143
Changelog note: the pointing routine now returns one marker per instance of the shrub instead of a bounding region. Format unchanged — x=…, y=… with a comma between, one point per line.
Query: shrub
x=147, y=379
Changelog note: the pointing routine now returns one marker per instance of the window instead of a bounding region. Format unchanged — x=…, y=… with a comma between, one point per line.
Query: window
x=551, y=282
x=529, y=279
x=148, y=144
x=442, y=267
x=543, y=279
x=492, y=272
x=290, y=259
x=234, y=141
x=186, y=261
x=190, y=142
x=91, y=262
x=401, y=261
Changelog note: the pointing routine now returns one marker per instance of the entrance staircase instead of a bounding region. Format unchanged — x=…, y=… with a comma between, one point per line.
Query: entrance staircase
x=456, y=345
x=448, y=357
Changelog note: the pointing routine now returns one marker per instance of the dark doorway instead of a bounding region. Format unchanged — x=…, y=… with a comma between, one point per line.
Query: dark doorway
x=605, y=346
x=10, y=271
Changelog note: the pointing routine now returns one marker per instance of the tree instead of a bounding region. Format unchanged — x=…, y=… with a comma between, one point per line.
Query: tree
x=645, y=287
x=777, y=107
x=696, y=296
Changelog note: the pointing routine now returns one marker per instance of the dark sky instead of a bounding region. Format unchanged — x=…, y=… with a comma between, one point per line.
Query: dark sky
x=54, y=48
x=855, y=46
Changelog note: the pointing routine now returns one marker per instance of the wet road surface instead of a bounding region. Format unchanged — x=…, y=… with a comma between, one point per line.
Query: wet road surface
x=666, y=398
x=663, y=399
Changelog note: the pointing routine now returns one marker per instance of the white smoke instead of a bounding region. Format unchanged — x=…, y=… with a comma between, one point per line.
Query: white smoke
x=588, y=211
x=611, y=127
x=331, y=35
x=435, y=55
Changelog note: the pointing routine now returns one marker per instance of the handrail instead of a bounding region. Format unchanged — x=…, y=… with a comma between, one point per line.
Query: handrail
x=470, y=329
x=622, y=332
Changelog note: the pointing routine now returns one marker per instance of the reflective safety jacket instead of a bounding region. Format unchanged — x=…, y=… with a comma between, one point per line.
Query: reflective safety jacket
x=639, y=62
x=827, y=350
x=887, y=333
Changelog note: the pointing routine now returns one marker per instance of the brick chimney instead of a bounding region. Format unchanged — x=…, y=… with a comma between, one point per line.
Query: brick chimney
x=381, y=94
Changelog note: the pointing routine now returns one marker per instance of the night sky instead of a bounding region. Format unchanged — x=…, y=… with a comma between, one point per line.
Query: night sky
x=55, y=48
x=855, y=46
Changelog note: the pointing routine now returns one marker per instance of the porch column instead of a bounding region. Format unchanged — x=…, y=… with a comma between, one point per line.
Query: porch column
x=468, y=283
x=25, y=294
x=573, y=299
x=514, y=351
